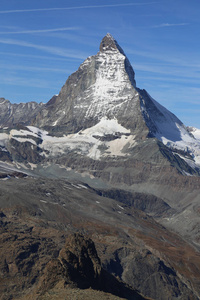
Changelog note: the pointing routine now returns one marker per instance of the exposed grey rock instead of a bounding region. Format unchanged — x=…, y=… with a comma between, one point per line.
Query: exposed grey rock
x=13, y=114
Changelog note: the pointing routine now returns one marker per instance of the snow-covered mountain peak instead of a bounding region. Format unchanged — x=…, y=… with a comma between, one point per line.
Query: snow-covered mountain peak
x=103, y=86
x=100, y=112
x=103, y=89
x=110, y=46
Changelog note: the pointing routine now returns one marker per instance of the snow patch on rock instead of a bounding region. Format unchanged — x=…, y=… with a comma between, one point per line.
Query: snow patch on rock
x=87, y=142
x=106, y=126
x=106, y=138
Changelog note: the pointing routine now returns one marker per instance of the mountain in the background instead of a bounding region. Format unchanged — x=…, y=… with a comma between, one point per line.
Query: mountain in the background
x=13, y=114
x=134, y=161
x=102, y=99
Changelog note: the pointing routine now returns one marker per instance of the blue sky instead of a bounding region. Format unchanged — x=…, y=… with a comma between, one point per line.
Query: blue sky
x=43, y=41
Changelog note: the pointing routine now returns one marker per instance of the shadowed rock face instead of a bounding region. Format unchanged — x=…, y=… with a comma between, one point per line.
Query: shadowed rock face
x=81, y=261
x=108, y=43
x=79, y=265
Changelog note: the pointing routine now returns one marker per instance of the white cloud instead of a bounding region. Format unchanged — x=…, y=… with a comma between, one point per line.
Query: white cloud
x=28, y=82
x=173, y=70
x=49, y=49
x=172, y=79
x=39, y=30
x=195, y=90
x=169, y=25
x=76, y=7
x=180, y=60
x=33, y=68
x=35, y=56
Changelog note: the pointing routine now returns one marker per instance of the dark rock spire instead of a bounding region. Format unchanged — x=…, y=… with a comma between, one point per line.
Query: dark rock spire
x=109, y=43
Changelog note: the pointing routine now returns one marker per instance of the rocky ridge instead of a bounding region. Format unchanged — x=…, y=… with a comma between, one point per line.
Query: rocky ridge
x=14, y=114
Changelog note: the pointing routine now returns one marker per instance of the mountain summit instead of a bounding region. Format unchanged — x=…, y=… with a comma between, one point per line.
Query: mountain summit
x=108, y=43
x=103, y=86
x=101, y=99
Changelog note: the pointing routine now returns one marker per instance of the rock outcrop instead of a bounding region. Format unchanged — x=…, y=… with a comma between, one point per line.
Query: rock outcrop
x=78, y=265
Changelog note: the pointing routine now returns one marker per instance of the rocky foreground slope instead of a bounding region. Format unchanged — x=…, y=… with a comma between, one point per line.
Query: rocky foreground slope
x=38, y=217
x=105, y=160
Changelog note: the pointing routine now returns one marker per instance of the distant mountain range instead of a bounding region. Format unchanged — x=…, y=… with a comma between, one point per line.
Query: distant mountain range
x=104, y=140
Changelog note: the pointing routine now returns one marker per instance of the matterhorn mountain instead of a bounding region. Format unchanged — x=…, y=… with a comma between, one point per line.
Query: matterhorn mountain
x=98, y=100
x=105, y=159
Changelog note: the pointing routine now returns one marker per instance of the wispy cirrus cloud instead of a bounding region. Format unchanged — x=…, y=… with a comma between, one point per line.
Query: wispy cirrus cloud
x=76, y=7
x=169, y=79
x=32, y=56
x=40, y=30
x=170, y=25
x=48, y=49
x=164, y=58
x=32, y=68
x=173, y=71
x=30, y=82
